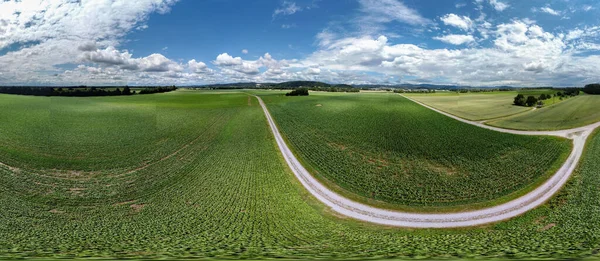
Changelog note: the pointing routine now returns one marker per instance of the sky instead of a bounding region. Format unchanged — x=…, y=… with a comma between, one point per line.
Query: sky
x=194, y=42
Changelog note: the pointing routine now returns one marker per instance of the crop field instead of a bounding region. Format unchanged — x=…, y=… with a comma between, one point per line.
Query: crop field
x=571, y=113
x=385, y=150
x=225, y=192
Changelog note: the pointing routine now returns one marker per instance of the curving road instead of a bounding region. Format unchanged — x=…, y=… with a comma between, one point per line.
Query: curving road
x=501, y=212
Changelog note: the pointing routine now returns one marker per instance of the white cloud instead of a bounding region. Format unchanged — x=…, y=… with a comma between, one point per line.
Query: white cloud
x=385, y=11
x=463, y=22
x=88, y=35
x=245, y=51
x=456, y=39
x=158, y=63
x=548, y=10
x=575, y=34
x=225, y=59
x=499, y=5
x=536, y=67
x=287, y=8
x=108, y=56
x=198, y=67
x=236, y=65
x=51, y=33
x=522, y=54
x=112, y=57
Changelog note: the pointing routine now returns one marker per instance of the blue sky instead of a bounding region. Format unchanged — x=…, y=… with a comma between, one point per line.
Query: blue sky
x=193, y=42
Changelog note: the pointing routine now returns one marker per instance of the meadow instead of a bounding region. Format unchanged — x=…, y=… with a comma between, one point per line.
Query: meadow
x=224, y=191
x=571, y=113
x=385, y=150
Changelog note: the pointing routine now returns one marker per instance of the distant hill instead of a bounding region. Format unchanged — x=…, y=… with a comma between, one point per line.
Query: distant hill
x=283, y=85
x=298, y=84
x=317, y=84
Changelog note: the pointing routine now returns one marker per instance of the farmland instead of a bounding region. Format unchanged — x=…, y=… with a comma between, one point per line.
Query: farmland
x=384, y=150
x=226, y=193
x=481, y=106
x=472, y=106
x=571, y=113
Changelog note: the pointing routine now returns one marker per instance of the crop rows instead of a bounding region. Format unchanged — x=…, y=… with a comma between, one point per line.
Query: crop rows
x=386, y=148
x=230, y=195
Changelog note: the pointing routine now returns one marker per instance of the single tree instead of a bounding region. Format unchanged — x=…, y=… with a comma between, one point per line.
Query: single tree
x=126, y=91
x=531, y=101
x=520, y=100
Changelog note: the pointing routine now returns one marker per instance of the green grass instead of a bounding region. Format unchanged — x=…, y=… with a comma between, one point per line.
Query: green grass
x=573, y=112
x=230, y=195
x=385, y=150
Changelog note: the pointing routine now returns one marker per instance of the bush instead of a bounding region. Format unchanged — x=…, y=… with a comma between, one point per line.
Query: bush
x=298, y=92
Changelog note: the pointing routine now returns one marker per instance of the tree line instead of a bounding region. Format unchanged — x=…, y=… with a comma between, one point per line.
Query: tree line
x=82, y=91
x=531, y=100
x=593, y=89
x=414, y=91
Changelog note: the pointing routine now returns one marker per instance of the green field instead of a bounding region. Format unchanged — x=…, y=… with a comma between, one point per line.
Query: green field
x=481, y=106
x=472, y=106
x=571, y=113
x=224, y=191
x=385, y=150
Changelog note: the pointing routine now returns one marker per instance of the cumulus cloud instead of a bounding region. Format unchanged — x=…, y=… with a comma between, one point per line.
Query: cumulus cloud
x=112, y=57
x=536, y=67
x=456, y=39
x=236, y=64
x=463, y=22
x=197, y=67
x=108, y=56
x=521, y=54
x=225, y=59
